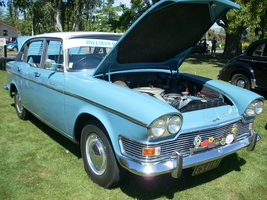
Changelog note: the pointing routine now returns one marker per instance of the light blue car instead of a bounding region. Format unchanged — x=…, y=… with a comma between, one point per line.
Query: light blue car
x=123, y=100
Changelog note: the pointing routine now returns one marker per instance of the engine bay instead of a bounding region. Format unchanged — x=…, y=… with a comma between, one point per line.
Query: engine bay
x=183, y=94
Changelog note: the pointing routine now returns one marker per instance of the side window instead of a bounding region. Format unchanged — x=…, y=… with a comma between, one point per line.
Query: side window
x=35, y=51
x=54, y=55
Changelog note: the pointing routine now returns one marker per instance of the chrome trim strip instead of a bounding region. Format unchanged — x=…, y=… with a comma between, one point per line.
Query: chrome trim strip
x=108, y=109
x=89, y=101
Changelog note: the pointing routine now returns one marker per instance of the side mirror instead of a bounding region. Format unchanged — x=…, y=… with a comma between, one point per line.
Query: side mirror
x=52, y=65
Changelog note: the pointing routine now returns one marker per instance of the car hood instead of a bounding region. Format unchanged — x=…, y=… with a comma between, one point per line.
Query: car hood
x=164, y=35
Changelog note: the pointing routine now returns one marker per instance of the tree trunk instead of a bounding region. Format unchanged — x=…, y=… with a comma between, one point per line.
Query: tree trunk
x=58, y=25
x=233, y=45
x=77, y=13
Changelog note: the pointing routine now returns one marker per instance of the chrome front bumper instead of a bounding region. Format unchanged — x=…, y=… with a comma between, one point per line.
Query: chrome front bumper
x=177, y=163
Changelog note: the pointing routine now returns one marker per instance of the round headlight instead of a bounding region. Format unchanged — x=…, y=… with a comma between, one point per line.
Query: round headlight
x=250, y=112
x=158, y=128
x=174, y=124
x=254, y=108
x=259, y=107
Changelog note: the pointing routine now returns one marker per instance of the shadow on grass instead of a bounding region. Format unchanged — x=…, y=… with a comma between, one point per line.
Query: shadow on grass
x=209, y=59
x=60, y=139
x=166, y=186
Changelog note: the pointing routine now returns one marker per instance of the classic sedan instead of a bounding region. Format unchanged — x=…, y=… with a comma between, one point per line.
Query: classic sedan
x=249, y=70
x=123, y=100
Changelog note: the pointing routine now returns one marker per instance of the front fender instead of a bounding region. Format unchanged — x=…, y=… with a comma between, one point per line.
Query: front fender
x=115, y=125
x=236, y=67
x=234, y=93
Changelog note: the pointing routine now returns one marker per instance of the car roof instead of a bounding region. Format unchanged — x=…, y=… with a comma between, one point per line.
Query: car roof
x=67, y=35
x=251, y=48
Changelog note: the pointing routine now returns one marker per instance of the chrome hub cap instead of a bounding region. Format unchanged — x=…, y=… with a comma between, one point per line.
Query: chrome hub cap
x=18, y=103
x=96, y=155
x=241, y=83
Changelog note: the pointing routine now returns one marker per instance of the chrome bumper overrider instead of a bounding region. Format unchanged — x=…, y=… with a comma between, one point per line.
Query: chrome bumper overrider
x=177, y=162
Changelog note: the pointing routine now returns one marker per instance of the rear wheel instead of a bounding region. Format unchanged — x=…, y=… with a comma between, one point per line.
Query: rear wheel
x=98, y=156
x=21, y=111
x=241, y=80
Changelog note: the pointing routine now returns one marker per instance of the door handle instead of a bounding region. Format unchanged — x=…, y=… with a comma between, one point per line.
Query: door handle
x=51, y=83
x=37, y=74
x=19, y=69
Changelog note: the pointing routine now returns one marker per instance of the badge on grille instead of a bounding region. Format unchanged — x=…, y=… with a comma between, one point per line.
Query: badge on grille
x=229, y=139
x=197, y=141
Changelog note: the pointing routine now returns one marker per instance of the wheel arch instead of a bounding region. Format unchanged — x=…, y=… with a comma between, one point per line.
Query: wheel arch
x=82, y=121
x=13, y=89
x=242, y=68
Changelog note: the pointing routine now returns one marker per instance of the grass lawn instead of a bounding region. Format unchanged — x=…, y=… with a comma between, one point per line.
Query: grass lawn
x=38, y=163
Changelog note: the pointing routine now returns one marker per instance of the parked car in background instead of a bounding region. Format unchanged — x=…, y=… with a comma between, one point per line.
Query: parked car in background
x=12, y=46
x=11, y=40
x=124, y=101
x=249, y=70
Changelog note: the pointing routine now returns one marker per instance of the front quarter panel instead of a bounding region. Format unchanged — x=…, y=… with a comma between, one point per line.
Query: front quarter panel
x=236, y=67
x=230, y=91
x=234, y=93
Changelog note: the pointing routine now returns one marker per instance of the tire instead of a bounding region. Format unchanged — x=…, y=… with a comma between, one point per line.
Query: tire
x=21, y=111
x=98, y=156
x=241, y=80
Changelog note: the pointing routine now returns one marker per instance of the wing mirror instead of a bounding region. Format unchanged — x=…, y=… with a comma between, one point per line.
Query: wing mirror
x=52, y=65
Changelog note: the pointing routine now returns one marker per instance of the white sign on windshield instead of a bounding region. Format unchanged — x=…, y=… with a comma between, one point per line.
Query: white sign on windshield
x=89, y=42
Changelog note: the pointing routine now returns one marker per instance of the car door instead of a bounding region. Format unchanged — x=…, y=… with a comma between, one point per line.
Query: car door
x=28, y=61
x=260, y=65
x=50, y=80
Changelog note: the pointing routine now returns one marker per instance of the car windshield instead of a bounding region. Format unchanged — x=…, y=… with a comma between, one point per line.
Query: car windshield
x=86, y=54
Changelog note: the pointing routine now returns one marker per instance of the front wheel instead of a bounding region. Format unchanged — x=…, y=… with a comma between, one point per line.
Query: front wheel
x=98, y=157
x=21, y=111
x=241, y=80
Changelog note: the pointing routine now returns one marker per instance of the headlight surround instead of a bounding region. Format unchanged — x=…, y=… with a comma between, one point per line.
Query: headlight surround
x=165, y=125
x=254, y=108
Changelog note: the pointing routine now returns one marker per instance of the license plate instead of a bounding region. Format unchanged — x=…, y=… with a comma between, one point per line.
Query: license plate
x=206, y=167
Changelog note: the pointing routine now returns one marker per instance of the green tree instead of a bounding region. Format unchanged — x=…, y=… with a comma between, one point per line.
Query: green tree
x=130, y=15
x=251, y=16
x=53, y=15
x=104, y=17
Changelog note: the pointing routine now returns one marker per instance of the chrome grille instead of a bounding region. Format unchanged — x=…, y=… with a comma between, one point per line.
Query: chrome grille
x=183, y=142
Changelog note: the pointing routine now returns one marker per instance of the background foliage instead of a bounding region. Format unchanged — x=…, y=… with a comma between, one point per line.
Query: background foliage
x=40, y=16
